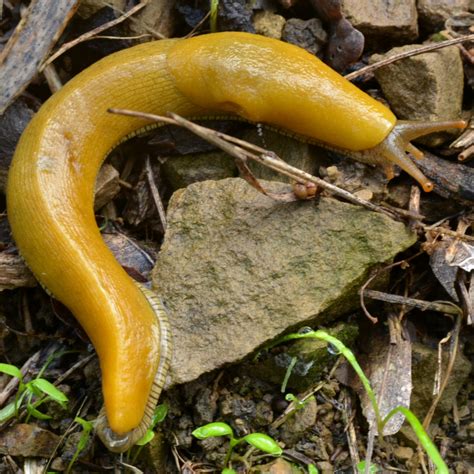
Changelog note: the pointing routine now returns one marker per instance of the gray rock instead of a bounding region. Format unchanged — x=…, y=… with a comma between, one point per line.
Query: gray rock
x=308, y=34
x=383, y=19
x=293, y=151
x=181, y=171
x=433, y=13
x=237, y=269
x=424, y=87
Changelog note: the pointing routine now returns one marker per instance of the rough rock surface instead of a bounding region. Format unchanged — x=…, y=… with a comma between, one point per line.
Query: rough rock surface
x=181, y=171
x=268, y=24
x=424, y=87
x=293, y=151
x=382, y=19
x=237, y=269
x=309, y=34
x=433, y=13
x=28, y=440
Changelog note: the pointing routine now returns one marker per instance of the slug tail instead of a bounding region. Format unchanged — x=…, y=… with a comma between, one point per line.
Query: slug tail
x=121, y=442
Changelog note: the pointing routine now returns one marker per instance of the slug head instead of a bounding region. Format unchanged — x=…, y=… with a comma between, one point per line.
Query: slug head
x=396, y=148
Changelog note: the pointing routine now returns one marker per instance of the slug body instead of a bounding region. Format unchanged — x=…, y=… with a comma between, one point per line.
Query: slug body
x=52, y=177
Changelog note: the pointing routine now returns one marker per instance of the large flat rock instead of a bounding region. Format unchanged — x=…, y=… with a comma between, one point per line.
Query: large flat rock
x=237, y=268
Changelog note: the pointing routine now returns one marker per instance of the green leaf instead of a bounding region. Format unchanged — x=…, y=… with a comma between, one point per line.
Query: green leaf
x=36, y=413
x=312, y=469
x=228, y=470
x=146, y=438
x=87, y=426
x=210, y=430
x=11, y=370
x=7, y=412
x=160, y=414
x=422, y=436
x=372, y=469
x=264, y=443
x=49, y=389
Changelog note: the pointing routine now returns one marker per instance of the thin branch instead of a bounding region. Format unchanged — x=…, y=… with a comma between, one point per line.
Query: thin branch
x=155, y=194
x=441, y=306
x=407, y=54
x=243, y=150
x=90, y=34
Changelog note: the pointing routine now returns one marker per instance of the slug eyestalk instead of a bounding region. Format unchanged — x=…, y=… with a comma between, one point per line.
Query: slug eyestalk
x=396, y=148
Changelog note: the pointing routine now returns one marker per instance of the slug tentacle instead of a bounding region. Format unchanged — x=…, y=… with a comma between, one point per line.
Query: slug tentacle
x=394, y=149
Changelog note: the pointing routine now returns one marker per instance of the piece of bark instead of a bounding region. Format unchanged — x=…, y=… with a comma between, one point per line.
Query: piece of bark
x=30, y=44
x=12, y=124
x=107, y=186
x=14, y=273
x=451, y=179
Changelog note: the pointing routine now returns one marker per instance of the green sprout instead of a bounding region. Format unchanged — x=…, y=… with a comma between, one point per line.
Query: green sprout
x=213, y=14
x=417, y=427
x=87, y=427
x=361, y=468
x=260, y=441
x=298, y=403
x=158, y=416
x=38, y=388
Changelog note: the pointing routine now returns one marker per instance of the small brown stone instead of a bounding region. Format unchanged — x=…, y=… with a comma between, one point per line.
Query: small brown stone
x=28, y=440
x=382, y=19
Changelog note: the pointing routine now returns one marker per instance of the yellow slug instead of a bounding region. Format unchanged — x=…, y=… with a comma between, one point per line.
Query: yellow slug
x=51, y=180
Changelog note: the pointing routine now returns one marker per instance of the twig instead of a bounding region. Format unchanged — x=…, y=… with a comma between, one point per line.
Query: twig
x=123, y=38
x=441, y=306
x=142, y=251
x=466, y=154
x=243, y=150
x=86, y=36
x=52, y=78
x=414, y=205
x=290, y=409
x=407, y=54
x=363, y=289
x=154, y=192
x=204, y=19
x=80, y=363
x=452, y=358
x=348, y=417
x=451, y=233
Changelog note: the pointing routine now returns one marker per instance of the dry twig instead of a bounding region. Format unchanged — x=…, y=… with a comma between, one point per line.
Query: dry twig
x=441, y=306
x=243, y=150
x=155, y=193
x=407, y=54
x=91, y=34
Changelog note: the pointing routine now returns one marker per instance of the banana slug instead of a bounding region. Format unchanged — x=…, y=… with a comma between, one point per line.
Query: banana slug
x=51, y=180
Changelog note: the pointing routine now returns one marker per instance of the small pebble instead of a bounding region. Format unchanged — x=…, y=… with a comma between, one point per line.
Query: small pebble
x=404, y=453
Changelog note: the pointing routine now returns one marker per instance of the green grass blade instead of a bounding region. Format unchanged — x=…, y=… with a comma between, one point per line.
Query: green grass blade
x=422, y=436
